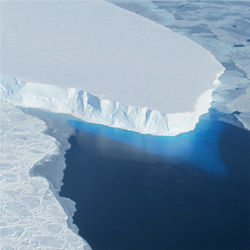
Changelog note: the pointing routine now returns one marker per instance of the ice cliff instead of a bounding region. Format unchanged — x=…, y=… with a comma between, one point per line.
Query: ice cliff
x=96, y=109
x=108, y=66
x=31, y=217
x=226, y=39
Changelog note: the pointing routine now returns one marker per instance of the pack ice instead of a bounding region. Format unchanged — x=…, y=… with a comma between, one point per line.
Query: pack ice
x=30, y=215
x=105, y=65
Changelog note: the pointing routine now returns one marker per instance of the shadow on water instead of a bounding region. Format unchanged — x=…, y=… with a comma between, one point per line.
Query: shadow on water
x=136, y=191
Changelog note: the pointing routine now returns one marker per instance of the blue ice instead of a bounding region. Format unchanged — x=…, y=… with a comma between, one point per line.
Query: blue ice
x=200, y=147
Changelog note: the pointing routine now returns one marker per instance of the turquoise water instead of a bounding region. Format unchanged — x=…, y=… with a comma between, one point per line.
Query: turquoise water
x=143, y=192
x=198, y=147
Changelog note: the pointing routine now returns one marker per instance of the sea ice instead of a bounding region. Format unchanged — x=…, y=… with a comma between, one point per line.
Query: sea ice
x=102, y=64
x=30, y=215
x=242, y=105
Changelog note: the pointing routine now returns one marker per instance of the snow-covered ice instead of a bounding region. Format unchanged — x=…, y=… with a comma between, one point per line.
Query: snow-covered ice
x=102, y=64
x=95, y=109
x=223, y=28
x=141, y=75
x=242, y=105
x=30, y=215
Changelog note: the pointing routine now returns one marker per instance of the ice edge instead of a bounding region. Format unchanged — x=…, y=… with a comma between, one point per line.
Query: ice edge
x=95, y=109
x=39, y=147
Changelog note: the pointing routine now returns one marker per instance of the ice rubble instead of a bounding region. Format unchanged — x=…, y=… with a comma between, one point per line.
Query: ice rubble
x=113, y=67
x=31, y=216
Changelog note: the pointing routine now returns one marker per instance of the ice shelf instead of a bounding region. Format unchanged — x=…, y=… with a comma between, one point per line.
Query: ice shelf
x=135, y=73
x=226, y=39
x=30, y=216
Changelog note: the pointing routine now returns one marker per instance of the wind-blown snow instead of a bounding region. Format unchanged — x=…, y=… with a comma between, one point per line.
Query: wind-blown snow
x=30, y=215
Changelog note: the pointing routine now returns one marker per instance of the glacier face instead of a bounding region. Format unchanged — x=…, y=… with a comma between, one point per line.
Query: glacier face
x=31, y=216
x=96, y=109
x=107, y=51
x=220, y=26
x=242, y=105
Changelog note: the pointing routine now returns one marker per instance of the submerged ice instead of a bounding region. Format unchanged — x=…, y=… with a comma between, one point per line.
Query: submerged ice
x=188, y=148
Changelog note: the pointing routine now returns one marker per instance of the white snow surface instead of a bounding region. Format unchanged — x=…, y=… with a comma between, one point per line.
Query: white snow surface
x=242, y=104
x=102, y=64
x=222, y=27
x=95, y=109
x=30, y=215
x=141, y=75
x=106, y=50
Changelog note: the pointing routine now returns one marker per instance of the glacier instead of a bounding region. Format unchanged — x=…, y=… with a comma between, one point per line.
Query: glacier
x=75, y=57
x=223, y=28
x=31, y=216
x=96, y=109
x=108, y=65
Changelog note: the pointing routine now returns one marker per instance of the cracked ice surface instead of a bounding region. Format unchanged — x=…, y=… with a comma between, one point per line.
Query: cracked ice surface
x=30, y=215
x=108, y=66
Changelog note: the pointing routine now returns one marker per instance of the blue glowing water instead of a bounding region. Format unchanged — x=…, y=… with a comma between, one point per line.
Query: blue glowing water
x=143, y=192
x=198, y=147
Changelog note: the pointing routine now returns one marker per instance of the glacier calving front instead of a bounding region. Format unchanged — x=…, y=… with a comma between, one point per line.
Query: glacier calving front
x=31, y=217
x=95, y=109
x=108, y=65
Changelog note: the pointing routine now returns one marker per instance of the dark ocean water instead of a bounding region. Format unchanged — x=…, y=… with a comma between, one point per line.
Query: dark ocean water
x=144, y=192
